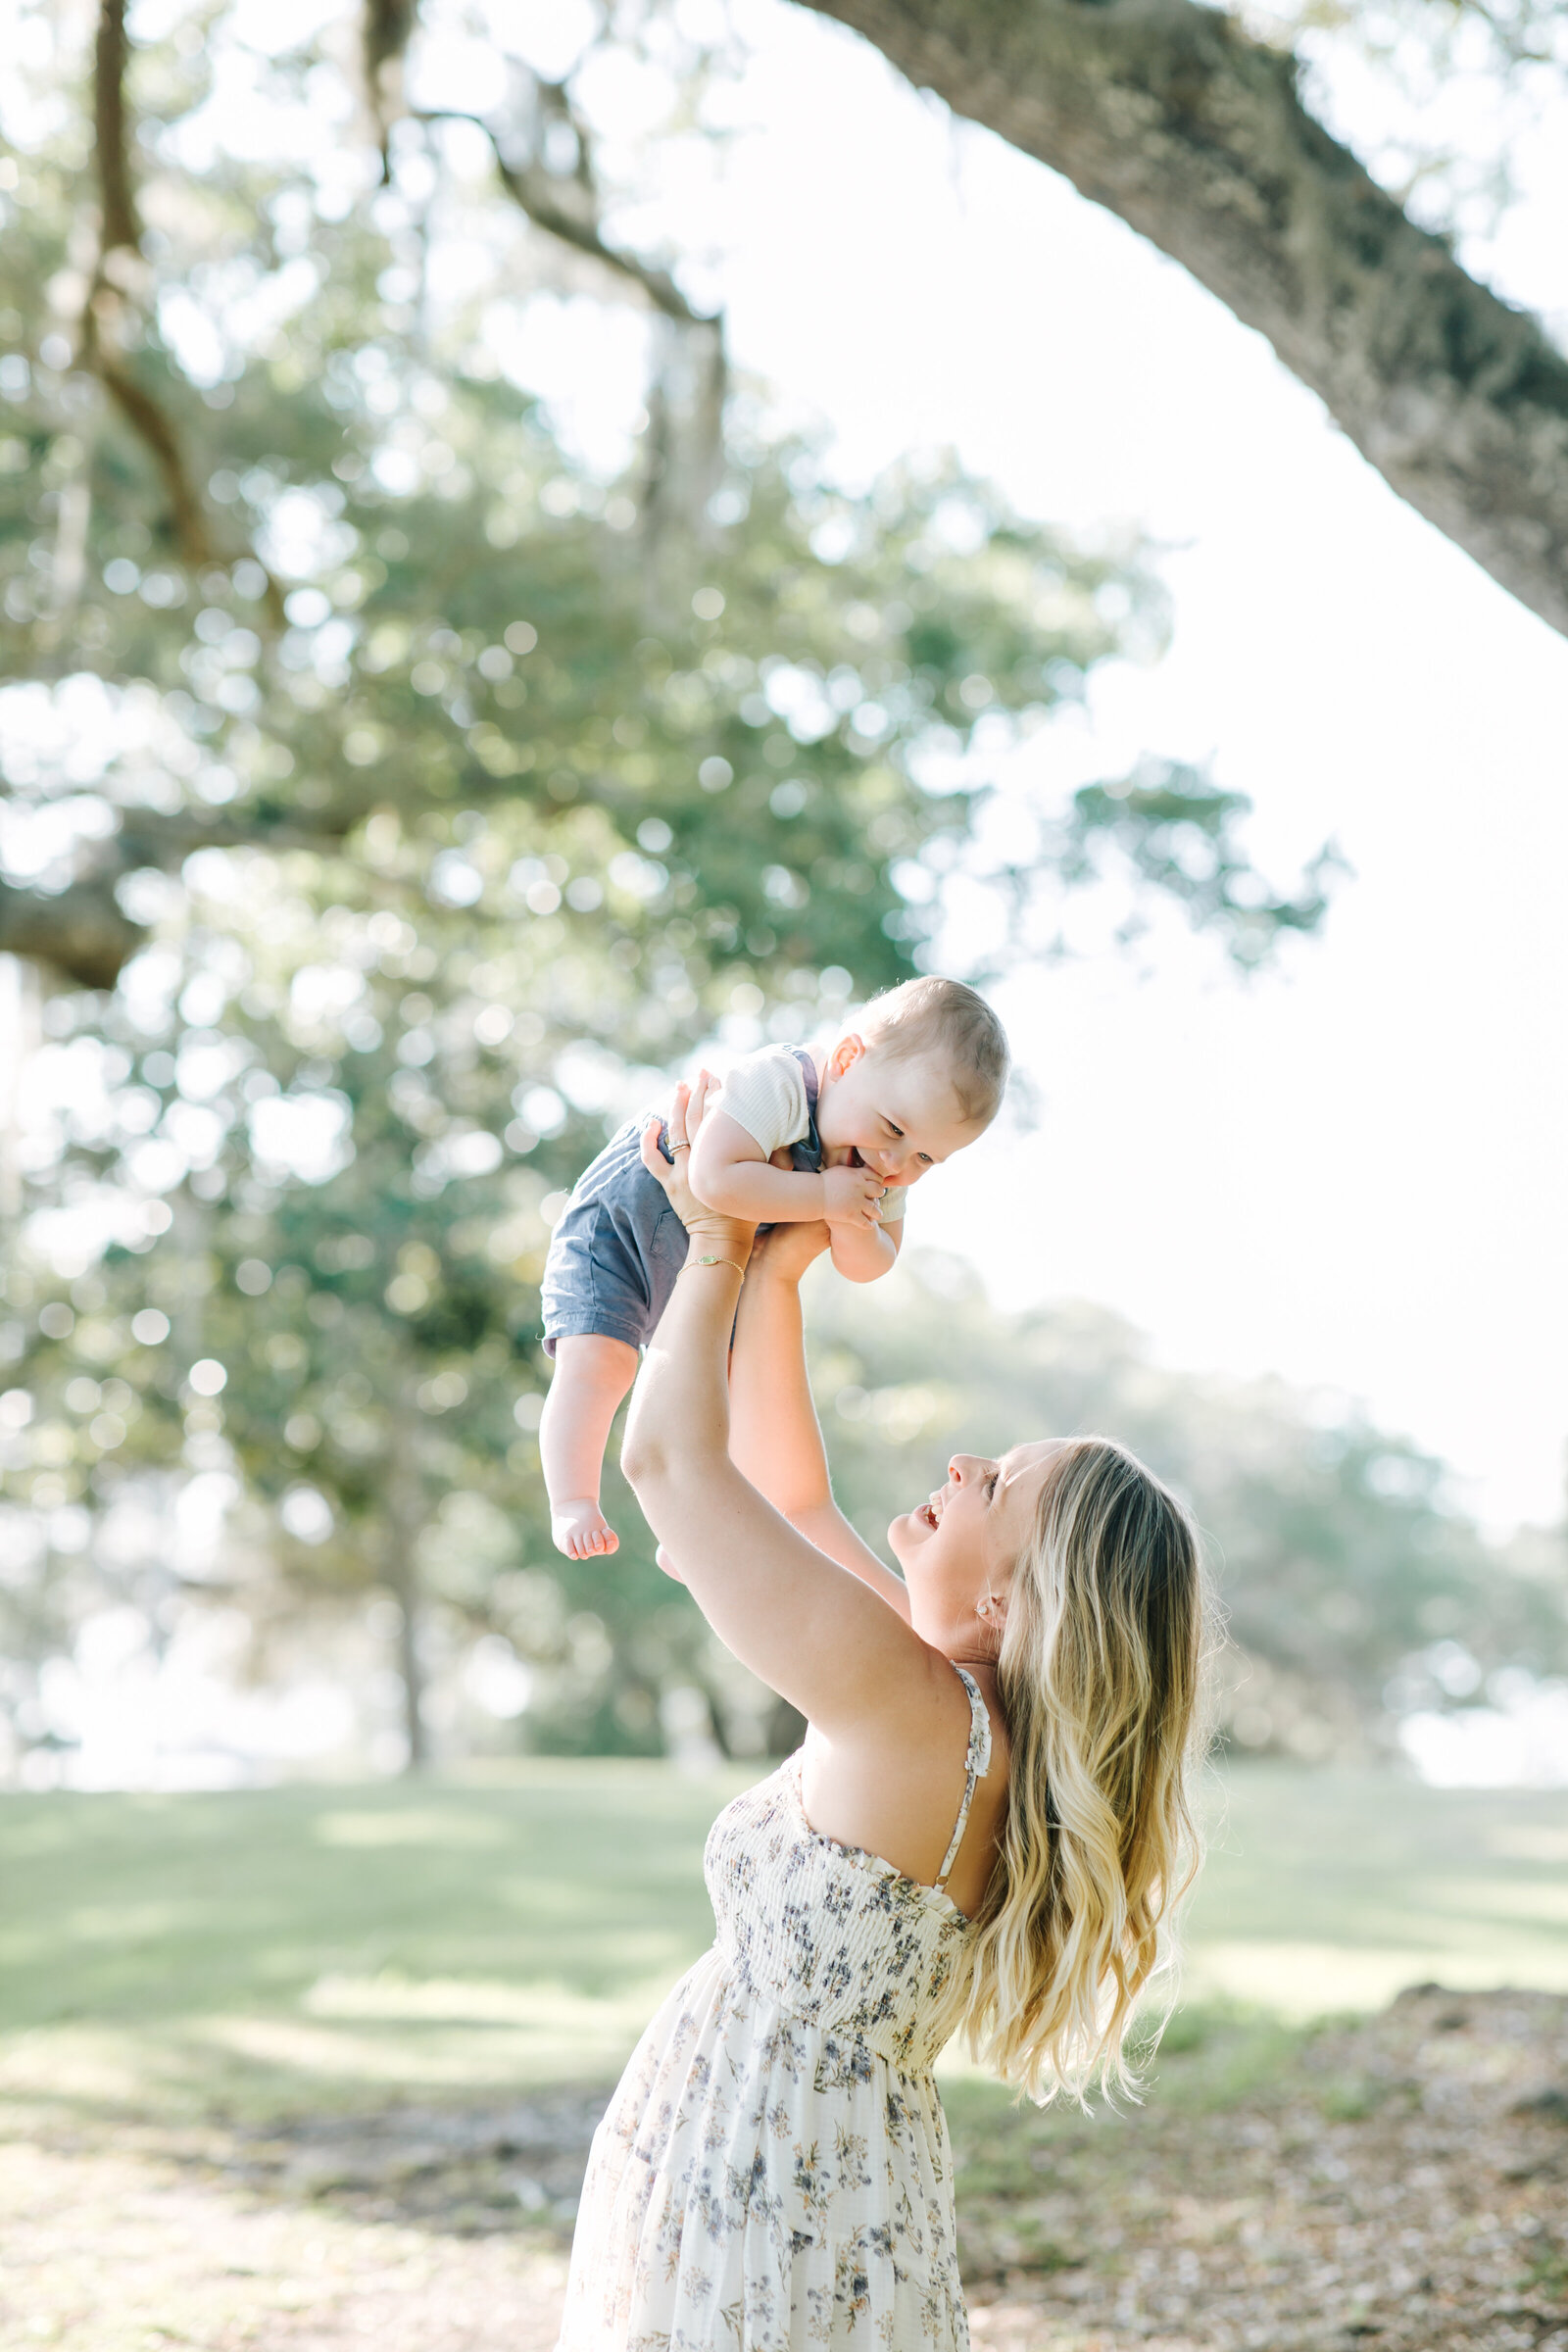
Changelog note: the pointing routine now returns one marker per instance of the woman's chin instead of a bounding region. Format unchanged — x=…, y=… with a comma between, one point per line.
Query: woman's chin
x=905, y=1535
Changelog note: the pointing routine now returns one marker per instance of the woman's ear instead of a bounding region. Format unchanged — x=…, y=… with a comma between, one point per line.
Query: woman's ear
x=992, y=1610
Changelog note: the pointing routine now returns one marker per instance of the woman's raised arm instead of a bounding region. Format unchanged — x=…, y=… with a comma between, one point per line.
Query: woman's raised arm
x=817, y=1636
x=775, y=1440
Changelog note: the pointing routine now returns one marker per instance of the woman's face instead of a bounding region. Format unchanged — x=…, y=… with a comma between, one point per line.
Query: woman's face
x=961, y=1545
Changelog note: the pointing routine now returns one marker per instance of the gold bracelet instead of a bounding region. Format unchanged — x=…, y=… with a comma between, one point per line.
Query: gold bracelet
x=712, y=1261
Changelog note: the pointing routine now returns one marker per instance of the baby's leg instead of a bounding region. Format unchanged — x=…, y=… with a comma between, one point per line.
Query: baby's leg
x=591, y=1377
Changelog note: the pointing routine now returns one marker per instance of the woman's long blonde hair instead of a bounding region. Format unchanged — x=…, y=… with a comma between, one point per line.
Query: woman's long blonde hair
x=1100, y=1675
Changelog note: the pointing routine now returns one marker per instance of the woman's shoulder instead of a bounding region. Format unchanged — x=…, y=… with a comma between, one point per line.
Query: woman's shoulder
x=902, y=1790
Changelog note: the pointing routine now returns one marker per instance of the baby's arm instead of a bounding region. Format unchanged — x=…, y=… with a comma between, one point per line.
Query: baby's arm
x=731, y=1172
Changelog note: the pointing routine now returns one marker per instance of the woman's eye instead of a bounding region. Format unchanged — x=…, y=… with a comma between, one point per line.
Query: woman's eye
x=990, y=1485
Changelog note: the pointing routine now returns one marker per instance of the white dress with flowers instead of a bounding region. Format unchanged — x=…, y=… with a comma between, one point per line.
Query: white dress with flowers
x=773, y=2172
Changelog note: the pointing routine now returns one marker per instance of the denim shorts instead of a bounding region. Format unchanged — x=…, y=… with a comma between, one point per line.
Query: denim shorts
x=619, y=1245
x=615, y=1252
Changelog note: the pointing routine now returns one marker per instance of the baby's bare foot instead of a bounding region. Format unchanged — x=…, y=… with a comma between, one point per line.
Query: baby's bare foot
x=580, y=1530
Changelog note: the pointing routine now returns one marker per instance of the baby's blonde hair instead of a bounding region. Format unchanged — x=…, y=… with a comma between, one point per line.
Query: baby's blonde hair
x=952, y=1022
x=1100, y=1676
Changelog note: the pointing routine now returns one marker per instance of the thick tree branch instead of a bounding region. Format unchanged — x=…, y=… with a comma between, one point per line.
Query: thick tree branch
x=82, y=931
x=684, y=444
x=1175, y=119
x=187, y=514
x=109, y=320
x=385, y=29
x=119, y=228
x=539, y=193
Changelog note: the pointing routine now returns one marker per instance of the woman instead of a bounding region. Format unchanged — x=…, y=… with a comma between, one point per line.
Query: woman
x=986, y=1828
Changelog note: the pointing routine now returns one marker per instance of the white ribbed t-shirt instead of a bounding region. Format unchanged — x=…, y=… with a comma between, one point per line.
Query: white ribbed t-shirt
x=765, y=1093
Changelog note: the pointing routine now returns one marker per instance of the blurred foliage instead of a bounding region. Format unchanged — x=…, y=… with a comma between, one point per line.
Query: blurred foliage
x=1352, y=1588
x=1348, y=1582
x=1175, y=828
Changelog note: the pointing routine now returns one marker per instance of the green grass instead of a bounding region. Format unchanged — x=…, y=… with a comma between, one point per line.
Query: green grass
x=288, y=1947
x=1330, y=1891
x=289, y=1950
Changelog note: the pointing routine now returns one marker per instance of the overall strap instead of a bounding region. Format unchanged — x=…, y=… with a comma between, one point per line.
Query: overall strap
x=807, y=1153
x=976, y=1764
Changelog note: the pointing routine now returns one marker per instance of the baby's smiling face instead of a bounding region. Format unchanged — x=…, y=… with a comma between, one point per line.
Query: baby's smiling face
x=895, y=1114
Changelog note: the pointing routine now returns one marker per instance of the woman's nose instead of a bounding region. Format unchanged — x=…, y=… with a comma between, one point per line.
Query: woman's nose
x=962, y=1466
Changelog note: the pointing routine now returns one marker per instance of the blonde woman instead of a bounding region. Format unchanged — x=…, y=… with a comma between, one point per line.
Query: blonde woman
x=986, y=1828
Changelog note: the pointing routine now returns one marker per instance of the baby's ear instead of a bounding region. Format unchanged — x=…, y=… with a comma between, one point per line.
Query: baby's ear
x=846, y=1054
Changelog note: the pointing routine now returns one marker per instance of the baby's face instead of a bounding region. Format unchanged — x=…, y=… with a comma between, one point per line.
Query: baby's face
x=898, y=1115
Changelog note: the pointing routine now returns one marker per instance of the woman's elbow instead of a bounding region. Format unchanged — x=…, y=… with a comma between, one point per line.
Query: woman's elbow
x=643, y=1462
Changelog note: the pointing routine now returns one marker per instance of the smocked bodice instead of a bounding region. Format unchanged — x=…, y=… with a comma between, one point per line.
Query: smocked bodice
x=837, y=1936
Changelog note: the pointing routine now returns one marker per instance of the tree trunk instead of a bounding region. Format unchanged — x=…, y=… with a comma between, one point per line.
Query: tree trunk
x=1172, y=116
x=21, y=1035
x=405, y=1518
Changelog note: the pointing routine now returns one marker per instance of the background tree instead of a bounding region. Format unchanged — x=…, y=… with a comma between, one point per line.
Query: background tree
x=1350, y=1586
x=391, y=795
x=268, y=480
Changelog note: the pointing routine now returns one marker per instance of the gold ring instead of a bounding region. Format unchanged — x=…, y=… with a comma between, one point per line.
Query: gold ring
x=674, y=1147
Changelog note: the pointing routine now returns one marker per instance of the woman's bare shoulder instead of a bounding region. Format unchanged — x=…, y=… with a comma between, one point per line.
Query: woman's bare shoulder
x=894, y=1787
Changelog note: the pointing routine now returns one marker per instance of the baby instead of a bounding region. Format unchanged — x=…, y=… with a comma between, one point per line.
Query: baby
x=854, y=1128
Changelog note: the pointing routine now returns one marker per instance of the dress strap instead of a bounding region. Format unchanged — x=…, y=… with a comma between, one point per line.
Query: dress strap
x=976, y=1764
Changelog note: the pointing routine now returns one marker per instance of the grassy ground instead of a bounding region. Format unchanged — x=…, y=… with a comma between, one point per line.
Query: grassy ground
x=295, y=2067
x=267, y=1951
x=271, y=1951
x=1330, y=1891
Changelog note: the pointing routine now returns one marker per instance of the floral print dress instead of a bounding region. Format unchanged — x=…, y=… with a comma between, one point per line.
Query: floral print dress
x=773, y=2172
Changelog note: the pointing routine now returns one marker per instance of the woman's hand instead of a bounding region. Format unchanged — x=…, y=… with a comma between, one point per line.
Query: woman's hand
x=732, y=1234
x=786, y=1251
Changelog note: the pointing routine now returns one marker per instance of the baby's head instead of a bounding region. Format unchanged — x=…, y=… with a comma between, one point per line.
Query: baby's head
x=921, y=1076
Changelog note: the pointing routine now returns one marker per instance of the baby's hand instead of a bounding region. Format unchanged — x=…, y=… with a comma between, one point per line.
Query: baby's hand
x=852, y=1196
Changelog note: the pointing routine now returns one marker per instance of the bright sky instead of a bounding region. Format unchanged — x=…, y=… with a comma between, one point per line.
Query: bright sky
x=1354, y=1172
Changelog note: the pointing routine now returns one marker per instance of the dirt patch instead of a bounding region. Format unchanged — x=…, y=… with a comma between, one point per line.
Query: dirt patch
x=1397, y=2186
x=410, y=2230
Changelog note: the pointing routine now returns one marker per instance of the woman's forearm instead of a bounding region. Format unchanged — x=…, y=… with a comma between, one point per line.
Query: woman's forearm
x=775, y=1437
x=681, y=1406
